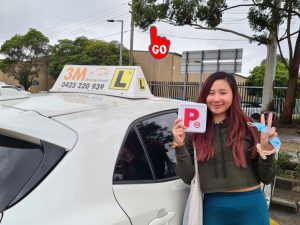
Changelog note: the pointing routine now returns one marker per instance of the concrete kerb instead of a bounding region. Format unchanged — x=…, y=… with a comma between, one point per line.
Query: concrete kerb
x=286, y=203
x=287, y=191
x=286, y=194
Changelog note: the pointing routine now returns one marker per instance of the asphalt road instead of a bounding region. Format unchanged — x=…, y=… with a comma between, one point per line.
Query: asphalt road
x=284, y=216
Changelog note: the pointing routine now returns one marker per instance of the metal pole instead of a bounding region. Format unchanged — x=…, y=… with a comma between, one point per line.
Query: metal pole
x=121, y=44
x=218, y=61
x=235, y=64
x=201, y=72
x=121, y=47
x=185, y=75
x=131, y=38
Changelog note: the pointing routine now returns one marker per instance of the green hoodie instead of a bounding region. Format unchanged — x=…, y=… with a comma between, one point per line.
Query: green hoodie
x=219, y=173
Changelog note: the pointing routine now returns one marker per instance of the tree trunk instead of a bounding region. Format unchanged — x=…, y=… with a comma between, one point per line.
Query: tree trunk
x=289, y=103
x=267, y=95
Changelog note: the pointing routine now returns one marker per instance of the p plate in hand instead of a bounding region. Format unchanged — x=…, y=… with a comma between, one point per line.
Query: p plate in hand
x=194, y=116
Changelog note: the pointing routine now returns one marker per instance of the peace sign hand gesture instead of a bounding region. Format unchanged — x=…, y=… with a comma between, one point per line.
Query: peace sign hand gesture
x=267, y=133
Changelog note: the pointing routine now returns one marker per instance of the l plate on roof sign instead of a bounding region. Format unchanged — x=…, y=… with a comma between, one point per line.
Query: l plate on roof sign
x=122, y=81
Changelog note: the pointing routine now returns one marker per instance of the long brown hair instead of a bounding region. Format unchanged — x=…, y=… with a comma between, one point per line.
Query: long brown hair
x=236, y=121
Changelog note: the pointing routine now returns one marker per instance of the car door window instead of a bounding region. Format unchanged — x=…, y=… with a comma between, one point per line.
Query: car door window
x=132, y=163
x=157, y=136
x=147, y=151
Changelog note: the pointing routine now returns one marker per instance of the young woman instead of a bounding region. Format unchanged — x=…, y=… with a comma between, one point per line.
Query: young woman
x=230, y=168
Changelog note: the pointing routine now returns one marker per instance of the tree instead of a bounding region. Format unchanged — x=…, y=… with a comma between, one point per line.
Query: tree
x=256, y=78
x=264, y=17
x=290, y=12
x=24, y=55
x=83, y=51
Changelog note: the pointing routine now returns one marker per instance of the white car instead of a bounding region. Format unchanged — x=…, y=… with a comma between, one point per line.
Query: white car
x=9, y=90
x=252, y=109
x=77, y=156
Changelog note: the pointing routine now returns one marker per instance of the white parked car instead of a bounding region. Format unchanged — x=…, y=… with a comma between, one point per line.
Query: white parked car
x=77, y=156
x=254, y=109
x=251, y=108
x=9, y=90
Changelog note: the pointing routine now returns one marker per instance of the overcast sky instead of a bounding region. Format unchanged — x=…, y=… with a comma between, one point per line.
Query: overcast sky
x=60, y=19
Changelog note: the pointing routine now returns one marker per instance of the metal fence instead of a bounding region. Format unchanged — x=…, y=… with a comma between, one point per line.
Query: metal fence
x=175, y=90
x=252, y=94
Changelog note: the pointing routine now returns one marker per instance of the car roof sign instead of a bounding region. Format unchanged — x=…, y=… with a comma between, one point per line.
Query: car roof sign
x=122, y=81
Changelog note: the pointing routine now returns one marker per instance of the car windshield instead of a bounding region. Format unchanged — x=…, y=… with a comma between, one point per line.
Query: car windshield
x=18, y=162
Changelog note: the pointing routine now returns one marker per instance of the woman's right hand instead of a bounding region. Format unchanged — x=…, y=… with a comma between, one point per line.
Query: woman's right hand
x=178, y=131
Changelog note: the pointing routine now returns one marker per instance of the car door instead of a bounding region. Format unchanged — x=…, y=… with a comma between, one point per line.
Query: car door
x=146, y=184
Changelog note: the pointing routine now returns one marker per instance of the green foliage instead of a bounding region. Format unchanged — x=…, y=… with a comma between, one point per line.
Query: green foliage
x=146, y=12
x=211, y=13
x=178, y=12
x=182, y=12
x=278, y=59
x=264, y=18
x=23, y=56
x=285, y=167
x=263, y=15
x=256, y=78
x=297, y=169
x=83, y=51
x=284, y=161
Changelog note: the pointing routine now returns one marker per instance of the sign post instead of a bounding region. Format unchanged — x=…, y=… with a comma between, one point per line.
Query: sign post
x=210, y=61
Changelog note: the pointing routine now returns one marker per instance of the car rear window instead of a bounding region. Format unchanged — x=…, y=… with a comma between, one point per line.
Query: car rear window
x=22, y=166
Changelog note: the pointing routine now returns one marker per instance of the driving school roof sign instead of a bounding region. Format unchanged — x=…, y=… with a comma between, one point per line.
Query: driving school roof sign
x=122, y=81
